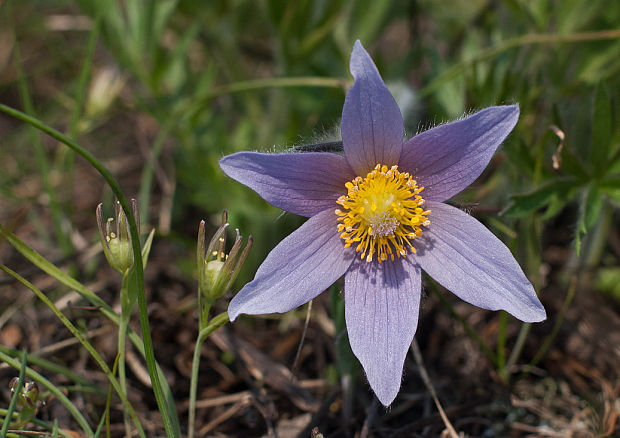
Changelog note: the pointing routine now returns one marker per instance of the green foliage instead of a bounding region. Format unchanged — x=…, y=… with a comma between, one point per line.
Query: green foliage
x=608, y=281
x=546, y=195
x=584, y=178
x=602, y=131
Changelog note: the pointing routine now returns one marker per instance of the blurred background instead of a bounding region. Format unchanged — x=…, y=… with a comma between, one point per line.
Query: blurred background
x=159, y=91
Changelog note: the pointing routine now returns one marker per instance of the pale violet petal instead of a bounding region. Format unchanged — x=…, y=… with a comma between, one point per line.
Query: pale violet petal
x=302, y=183
x=299, y=268
x=382, y=303
x=448, y=158
x=372, y=125
x=468, y=260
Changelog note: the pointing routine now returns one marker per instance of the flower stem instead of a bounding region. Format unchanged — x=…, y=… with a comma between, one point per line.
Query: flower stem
x=518, y=347
x=122, y=336
x=215, y=323
x=204, y=309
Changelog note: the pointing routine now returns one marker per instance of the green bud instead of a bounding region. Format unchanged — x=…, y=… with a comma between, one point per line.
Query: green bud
x=217, y=270
x=315, y=433
x=211, y=272
x=117, y=244
x=29, y=394
x=120, y=254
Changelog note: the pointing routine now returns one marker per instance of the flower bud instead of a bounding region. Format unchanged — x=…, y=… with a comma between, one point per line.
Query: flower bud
x=117, y=245
x=29, y=394
x=217, y=270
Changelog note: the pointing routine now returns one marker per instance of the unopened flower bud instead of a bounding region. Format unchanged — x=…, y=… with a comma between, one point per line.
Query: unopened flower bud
x=217, y=270
x=116, y=241
x=29, y=394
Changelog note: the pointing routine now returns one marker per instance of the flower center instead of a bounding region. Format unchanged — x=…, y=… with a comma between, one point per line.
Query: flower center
x=382, y=213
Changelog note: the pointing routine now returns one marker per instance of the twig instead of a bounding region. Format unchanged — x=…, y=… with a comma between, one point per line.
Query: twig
x=427, y=381
x=371, y=413
x=228, y=413
x=223, y=400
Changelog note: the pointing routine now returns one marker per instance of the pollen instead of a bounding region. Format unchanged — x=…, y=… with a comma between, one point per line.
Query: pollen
x=382, y=214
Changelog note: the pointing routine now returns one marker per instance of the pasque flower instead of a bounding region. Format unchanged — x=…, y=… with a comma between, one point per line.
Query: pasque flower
x=377, y=217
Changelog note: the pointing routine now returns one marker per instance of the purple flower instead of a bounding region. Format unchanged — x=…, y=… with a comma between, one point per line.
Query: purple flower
x=377, y=217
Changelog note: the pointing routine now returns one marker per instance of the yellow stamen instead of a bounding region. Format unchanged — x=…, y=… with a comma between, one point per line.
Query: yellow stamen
x=381, y=214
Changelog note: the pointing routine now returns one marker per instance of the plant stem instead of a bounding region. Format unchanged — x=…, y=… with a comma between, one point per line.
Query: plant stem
x=204, y=313
x=122, y=337
x=215, y=323
x=518, y=347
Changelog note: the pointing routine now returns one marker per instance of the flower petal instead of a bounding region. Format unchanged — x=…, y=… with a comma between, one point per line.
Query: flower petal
x=467, y=259
x=382, y=303
x=303, y=184
x=299, y=268
x=449, y=157
x=372, y=125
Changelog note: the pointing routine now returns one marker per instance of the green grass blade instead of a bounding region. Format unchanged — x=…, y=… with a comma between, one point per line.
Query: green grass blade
x=602, y=130
x=80, y=96
x=54, y=368
x=40, y=158
x=146, y=180
x=13, y=404
x=523, y=40
x=75, y=412
x=164, y=409
x=87, y=345
x=50, y=269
